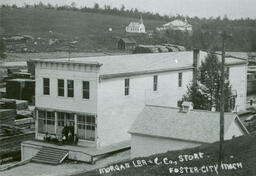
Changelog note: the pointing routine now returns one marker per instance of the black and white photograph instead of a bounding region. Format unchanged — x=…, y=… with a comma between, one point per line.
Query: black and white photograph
x=127, y=87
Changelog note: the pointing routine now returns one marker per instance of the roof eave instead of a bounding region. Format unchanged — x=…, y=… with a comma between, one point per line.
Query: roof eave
x=66, y=62
x=164, y=137
x=127, y=74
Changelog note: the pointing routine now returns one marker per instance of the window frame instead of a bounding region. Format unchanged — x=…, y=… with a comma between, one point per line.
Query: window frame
x=88, y=124
x=46, y=86
x=61, y=119
x=86, y=90
x=70, y=89
x=180, y=79
x=155, y=82
x=61, y=89
x=126, y=86
x=50, y=118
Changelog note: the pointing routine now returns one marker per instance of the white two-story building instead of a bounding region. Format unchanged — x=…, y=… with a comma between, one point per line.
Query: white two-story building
x=101, y=96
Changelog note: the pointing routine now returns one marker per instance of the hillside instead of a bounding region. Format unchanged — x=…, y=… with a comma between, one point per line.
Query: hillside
x=240, y=157
x=91, y=30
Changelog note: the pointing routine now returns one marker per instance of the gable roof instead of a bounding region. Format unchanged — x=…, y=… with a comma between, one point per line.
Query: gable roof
x=167, y=122
x=135, y=64
x=179, y=23
x=135, y=25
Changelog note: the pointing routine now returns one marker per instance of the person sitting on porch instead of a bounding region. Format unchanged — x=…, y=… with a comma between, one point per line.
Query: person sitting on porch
x=46, y=137
x=54, y=138
x=70, y=137
x=65, y=134
x=64, y=139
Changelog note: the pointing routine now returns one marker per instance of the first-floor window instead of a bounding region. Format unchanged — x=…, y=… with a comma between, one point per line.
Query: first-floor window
x=46, y=122
x=86, y=127
x=61, y=117
x=70, y=121
x=41, y=121
x=50, y=118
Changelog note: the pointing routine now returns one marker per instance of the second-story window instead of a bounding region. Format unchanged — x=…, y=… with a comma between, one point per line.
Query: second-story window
x=126, y=86
x=155, y=83
x=86, y=89
x=70, y=84
x=61, y=87
x=180, y=79
x=46, y=86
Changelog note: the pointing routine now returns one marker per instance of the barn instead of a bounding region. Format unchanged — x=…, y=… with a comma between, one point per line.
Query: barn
x=126, y=44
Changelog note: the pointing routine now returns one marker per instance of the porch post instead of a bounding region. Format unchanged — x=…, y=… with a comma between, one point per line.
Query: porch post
x=56, y=122
x=75, y=124
x=36, y=125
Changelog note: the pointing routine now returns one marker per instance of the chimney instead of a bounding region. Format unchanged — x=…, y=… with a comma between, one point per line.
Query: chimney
x=186, y=106
x=196, y=62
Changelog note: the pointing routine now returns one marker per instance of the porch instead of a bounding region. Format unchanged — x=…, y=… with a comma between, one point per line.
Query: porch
x=79, y=153
x=58, y=124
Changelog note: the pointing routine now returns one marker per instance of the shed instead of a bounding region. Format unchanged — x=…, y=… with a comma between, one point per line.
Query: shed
x=126, y=43
x=159, y=129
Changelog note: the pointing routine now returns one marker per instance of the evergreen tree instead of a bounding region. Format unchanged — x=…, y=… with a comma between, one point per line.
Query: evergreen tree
x=205, y=93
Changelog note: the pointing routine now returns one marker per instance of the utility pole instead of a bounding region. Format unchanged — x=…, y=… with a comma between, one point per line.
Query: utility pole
x=222, y=98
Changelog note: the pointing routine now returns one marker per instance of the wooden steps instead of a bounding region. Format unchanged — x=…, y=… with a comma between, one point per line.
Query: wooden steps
x=49, y=155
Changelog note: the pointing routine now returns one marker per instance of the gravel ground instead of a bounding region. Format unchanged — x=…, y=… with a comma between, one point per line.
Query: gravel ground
x=67, y=168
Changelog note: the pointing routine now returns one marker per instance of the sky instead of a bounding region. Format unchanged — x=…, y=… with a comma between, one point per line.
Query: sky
x=201, y=8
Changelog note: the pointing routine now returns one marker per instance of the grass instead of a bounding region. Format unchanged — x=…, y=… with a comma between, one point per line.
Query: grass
x=241, y=149
x=90, y=29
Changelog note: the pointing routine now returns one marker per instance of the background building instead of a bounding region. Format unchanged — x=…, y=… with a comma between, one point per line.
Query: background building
x=177, y=25
x=135, y=27
x=126, y=44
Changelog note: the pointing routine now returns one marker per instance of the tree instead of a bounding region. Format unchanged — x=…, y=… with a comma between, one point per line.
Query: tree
x=205, y=93
x=2, y=50
x=96, y=6
x=73, y=5
x=122, y=8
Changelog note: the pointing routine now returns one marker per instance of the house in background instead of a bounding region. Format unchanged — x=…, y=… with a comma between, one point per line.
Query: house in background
x=176, y=25
x=136, y=27
x=101, y=96
x=159, y=129
x=126, y=44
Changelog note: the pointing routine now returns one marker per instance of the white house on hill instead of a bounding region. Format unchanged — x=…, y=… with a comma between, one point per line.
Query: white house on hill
x=101, y=96
x=177, y=25
x=159, y=129
x=136, y=27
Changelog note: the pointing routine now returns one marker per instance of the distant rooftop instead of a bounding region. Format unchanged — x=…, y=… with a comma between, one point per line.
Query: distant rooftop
x=14, y=64
x=21, y=80
x=177, y=23
x=117, y=65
